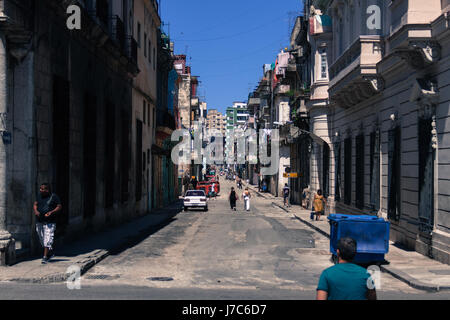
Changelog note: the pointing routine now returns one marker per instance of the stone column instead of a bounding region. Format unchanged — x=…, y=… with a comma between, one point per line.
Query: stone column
x=7, y=244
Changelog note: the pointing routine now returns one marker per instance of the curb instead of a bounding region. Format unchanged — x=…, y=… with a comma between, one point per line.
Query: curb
x=313, y=226
x=89, y=262
x=400, y=275
x=84, y=265
x=276, y=204
x=258, y=193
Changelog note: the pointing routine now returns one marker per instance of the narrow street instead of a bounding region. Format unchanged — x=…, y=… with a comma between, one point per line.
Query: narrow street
x=263, y=248
x=220, y=254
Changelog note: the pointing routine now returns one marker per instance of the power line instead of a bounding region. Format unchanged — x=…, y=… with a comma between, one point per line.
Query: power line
x=233, y=35
x=251, y=53
x=214, y=26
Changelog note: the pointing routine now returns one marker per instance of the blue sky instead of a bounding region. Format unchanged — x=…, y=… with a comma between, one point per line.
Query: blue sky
x=227, y=42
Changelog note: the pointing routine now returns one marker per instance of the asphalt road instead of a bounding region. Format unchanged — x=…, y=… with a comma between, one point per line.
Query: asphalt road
x=264, y=254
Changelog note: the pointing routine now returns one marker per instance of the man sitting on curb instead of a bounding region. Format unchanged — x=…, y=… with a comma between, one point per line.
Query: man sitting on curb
x=345, y=280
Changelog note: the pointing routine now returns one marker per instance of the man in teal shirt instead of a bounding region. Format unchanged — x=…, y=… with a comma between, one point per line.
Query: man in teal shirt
x=345, y=281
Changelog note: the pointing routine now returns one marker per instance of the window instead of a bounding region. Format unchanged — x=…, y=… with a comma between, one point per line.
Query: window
x=145, y=45
x=144, y=107
x=138, y=189
x=375, y=170
x=352, y=24
x=148, y=116
x=139, y=34
x=337, y=171
x=149, y=48
x=326, y=170
x=323, y=64
x=154, y=118
x=124, y=155
x=394, y=149
x=154, y=59
x=426, y=174
x=359, y=168
x=341, y=37
x=144, y=162
x=348, y=171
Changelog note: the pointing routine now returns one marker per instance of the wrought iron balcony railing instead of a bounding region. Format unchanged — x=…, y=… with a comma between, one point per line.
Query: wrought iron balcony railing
x=17, y=13
x=117, y=30
x=131, y=49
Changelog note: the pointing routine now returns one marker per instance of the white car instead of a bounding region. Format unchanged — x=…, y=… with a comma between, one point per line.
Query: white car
x=195, y=199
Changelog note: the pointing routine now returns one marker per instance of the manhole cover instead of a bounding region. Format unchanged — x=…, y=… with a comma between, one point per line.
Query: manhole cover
x=160, y=279
x=102, y=277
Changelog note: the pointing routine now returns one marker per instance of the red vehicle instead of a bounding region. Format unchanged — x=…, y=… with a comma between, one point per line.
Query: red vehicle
x=207, y=186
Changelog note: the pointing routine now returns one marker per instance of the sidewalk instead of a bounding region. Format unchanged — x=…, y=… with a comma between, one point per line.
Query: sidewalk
x=413, y=268
x=89, y=251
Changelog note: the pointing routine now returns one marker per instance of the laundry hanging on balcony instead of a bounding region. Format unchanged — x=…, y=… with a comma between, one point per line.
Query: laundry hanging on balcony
x=320, y=24
x=283, y=61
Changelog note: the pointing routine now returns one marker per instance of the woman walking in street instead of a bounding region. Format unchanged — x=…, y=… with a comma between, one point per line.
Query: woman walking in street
x=233, y=197
x=319, y=201
x=246, y=195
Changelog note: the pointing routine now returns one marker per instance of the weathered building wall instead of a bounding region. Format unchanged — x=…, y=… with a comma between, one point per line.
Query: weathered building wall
x=21, y=152
x=184, y=101
x=375, y=114
x=70, y=118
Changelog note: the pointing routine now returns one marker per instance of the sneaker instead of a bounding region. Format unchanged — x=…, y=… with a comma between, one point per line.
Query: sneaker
x=51, y=254
x=44, y=260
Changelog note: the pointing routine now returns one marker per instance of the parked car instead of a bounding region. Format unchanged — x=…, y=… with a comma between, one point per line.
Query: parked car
x=195, y=199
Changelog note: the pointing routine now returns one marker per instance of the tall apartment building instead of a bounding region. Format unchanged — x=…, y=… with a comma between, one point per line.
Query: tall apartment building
x=146, y=27
x=236, y=117
x=216, y=121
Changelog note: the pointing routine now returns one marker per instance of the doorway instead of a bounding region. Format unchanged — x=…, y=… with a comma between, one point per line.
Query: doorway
x=90, y=156
x=61, y=147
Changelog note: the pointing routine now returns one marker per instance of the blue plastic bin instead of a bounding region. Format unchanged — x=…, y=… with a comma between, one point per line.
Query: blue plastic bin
x=371, y=234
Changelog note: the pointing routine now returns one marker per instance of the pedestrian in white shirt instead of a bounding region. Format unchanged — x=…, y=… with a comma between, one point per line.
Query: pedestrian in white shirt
x=246, y=196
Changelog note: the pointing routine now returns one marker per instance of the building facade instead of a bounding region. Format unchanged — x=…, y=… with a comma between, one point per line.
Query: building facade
x=216, y=121
x=236, y=118
x=66, y=100
x=146, y=27
x=387, y=116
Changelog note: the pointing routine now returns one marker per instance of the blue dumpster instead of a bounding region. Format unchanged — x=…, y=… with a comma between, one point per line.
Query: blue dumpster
x=371, y=234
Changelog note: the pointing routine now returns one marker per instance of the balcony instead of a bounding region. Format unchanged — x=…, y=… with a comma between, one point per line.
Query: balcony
x=117, y=30
x=16, y=13
x=131, y=52
x=195, y=103
x=16, y=20
x=411, y=37
x=354, y=77
x=99, y=10
x=254, y=102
